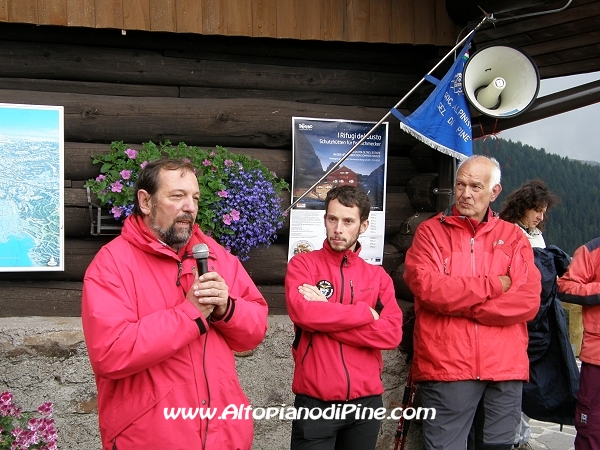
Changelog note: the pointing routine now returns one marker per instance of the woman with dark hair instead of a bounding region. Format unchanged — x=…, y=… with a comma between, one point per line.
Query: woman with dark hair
x=551, y=393
x=527, y=207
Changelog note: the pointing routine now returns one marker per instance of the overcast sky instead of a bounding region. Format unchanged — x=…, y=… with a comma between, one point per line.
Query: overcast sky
x=575, y=134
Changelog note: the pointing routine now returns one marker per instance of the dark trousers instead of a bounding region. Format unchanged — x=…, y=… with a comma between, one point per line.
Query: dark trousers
x=328, y=430
x=587, y=413
x=456, y=403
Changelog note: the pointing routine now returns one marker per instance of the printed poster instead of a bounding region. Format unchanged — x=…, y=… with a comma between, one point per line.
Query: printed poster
x=318, y=145
x=31, y=188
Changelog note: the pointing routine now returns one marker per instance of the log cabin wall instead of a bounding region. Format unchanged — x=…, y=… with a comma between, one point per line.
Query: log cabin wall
x=235, y=91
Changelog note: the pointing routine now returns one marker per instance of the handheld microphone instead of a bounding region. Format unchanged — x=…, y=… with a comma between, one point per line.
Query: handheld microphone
x=200, y=254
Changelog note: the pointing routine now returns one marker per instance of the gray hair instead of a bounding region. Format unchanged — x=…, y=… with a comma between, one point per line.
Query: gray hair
x=496, y=172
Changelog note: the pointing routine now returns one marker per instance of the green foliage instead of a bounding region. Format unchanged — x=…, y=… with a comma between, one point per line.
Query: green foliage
x=576, y=219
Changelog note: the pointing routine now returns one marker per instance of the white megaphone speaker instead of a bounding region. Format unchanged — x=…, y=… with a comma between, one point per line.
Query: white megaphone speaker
x=500, y=81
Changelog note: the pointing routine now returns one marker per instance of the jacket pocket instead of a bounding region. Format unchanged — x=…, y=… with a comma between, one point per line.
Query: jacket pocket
x=120, y=417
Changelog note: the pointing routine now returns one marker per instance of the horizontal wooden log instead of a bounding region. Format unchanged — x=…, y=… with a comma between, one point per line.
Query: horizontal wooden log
x=63, y=298
x=420, y=191
x=78, y=220
x=89, y=87
x=40, y=298
x=145, y=90
x=79, y=165
x=231, y=123
x=47, y=60
x=266, y=266
x=425, y=159
x=403, y=239
x=402, y=290
x=400, y=58
x=402, y=242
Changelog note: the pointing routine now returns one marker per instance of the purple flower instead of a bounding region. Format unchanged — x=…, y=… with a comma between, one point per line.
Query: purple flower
x=227, y=219
x=116, y=211
x=187, y=160
x=117, y=186
x=100, y=177
x=206, y=162
x=144, y=164
x=212, y=154
x=222, y=194
x=126, y=174
x=235, y=215
x=228, y=163
x=131, y=153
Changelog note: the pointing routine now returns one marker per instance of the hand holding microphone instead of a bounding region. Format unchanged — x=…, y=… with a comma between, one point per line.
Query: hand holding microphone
x=209, y=288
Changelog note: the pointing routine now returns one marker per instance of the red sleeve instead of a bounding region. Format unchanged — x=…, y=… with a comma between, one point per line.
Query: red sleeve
x=244, y=325
x=521, y=301
x=384, y=333
x=431, y=283
x=119, y=342
x=319, y=316
x=580, y=284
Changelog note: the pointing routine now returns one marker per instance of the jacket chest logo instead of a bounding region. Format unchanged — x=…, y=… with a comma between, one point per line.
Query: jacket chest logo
x=325, y=287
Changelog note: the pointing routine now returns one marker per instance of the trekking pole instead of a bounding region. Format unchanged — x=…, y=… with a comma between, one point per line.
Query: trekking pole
x=407, y=401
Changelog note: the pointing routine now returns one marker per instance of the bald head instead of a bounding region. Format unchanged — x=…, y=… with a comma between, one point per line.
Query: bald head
x=477, y=185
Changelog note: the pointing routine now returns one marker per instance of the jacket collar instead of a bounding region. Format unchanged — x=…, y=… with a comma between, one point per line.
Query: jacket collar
x=338, y=257
x=137, y=233
x=450, y=216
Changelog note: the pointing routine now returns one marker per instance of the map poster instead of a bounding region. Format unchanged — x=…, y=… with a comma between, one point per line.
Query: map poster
x=31, y=188
x=318, y=145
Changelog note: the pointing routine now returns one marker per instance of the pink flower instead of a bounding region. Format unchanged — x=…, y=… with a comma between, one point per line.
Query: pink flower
x=235, y=215
x=116, y=211
x=227, y=219
x=126, y=174
x=131, y=153
x=144, y=164
x=222, y=194
x=206, y=162
x=45, y=409
x=228, y=163
x=187, y=160
x=117, y=186
x=100, y=177
x=212, y=154
x=6, y=398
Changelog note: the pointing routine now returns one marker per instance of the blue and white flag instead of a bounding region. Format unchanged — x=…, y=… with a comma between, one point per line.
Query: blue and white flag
x=443, y=121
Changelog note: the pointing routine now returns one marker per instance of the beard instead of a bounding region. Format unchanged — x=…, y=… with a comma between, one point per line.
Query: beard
x=172, y=236
x=345, y=245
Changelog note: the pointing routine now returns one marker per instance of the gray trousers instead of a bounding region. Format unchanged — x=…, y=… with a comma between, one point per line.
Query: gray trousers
x=456, y=403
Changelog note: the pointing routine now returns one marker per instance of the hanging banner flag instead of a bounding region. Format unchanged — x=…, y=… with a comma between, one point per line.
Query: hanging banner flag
x=443, y=121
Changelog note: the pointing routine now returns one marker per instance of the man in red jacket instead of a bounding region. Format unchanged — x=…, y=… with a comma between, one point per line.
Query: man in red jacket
x=475, y=286
x=581, y=285
x=345, y=312
x=160, y=337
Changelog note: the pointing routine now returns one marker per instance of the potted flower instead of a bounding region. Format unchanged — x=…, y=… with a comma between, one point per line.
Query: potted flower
x=240, y=199
x=20, y=430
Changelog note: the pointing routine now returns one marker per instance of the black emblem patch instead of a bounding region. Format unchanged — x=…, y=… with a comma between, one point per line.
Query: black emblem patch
x=326, y=288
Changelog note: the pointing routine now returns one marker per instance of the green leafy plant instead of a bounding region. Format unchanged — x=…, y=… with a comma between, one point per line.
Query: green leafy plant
x=240, y=199
x=21, y=431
